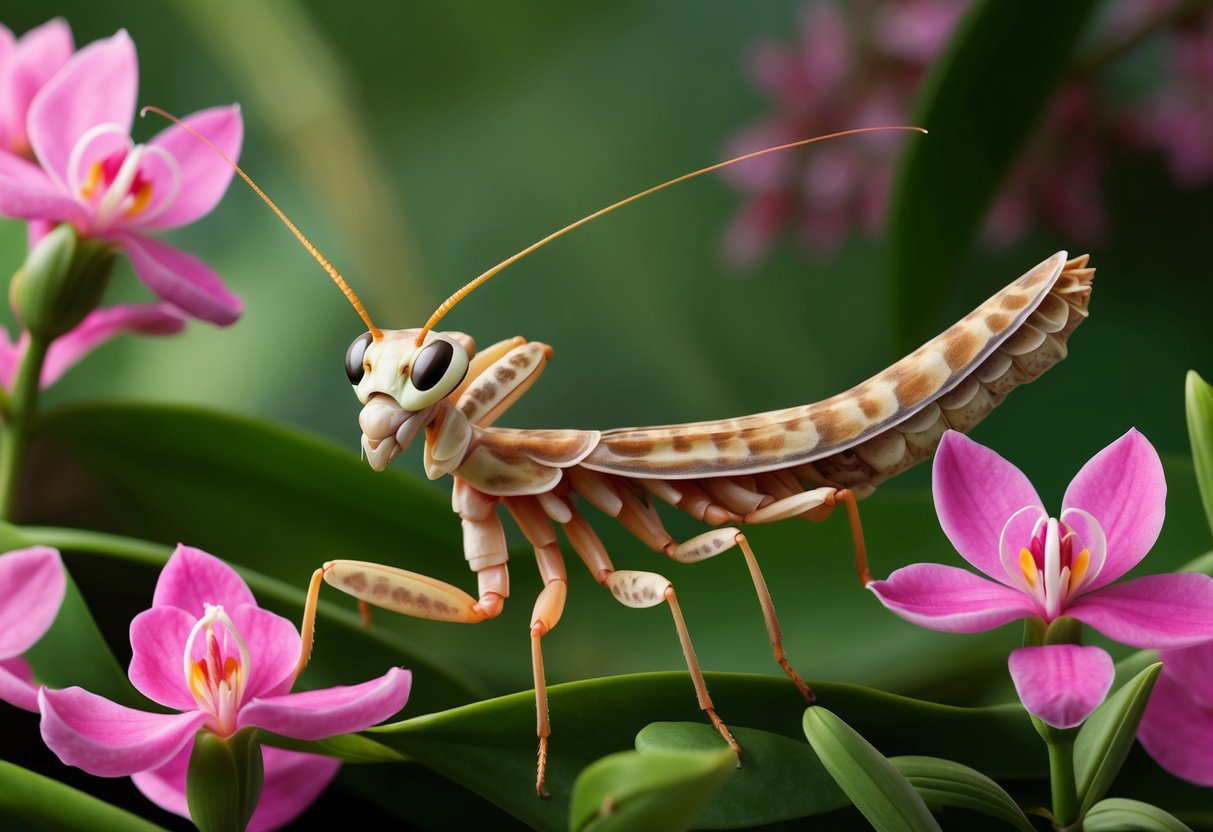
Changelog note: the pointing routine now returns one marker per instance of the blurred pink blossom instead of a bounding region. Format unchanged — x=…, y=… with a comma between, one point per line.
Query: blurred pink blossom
x=26, y=64
x=862, y=64
x=90, y=173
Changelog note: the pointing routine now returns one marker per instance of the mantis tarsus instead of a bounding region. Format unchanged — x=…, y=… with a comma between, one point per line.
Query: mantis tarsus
x=799, y=462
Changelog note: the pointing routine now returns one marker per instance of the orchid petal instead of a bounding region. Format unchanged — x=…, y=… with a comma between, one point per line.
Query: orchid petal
x=1061, y=684
x=1156, y=611
x=32, y=583
x=952, y=600
x=274, y=646
x=98, y=85
x=107, y=739
x=317, y=714
x=192, y=579
x=102, y=325
x=975, y=491
x=204, y=174
x=17, y=685
x=181, y=279
x=34, y=60
x=27, y=193
x=1192, y=667
x=293, y=780
x=1123, y=486
x=10, y=354
x=1177, y=730
x=158, y=638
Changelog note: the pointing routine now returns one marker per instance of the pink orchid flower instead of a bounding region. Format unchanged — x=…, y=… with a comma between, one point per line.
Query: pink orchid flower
x=90, y=173
x=1177, y=728
x=1045, y=568
x=98, y=326
x=32, y=583
x=26, y=64
x=206, y=651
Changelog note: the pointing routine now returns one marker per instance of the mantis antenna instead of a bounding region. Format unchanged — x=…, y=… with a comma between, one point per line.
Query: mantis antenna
x=450, y=302
x=307, y=244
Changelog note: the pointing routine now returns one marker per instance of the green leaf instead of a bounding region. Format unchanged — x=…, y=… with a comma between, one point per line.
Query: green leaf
x=875, y=786
x=73, y=652
x=29, y=798
x=1198, y=401
x=980, y=102
x=947, y=783
x=489, y=747
x=1105, y=738
x=1117, y=814
x=654, y=791
x=780, y=778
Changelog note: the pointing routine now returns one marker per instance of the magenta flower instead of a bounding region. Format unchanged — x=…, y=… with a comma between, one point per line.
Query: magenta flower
x=26, y=64
x=1045, y=568
x=91, y=174
x=206, y=651
x=1177, y=728
x=32, y=583
x=98, y=326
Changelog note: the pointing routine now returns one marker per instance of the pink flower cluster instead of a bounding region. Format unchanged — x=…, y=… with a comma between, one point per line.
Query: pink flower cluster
x=66, y=156
x=864, y=68
x=206, y=652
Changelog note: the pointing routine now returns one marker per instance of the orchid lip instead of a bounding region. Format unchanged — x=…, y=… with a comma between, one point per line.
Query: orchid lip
x=118, y=203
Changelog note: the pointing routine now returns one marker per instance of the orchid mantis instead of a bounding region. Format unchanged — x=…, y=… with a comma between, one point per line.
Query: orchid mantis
x=800, y=462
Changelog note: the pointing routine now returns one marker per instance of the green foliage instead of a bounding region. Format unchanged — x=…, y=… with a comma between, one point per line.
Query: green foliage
x=27, y=797
x=1119, y=815
x=1105, y=738
x=878, y=790
x=647, y=792
x=1198, y=398
x=945, y=783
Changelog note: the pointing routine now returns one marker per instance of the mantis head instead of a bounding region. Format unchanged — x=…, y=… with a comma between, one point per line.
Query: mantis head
x=402, y=385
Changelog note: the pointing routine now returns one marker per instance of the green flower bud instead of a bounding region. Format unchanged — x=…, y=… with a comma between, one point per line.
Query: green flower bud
x=224, y=780
x=62, y=280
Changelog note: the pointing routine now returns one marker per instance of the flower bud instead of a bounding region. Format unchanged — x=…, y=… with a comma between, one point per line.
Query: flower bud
x=224, y=780
x=62, y=280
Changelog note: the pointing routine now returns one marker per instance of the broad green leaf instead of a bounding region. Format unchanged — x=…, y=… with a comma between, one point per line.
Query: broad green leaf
x=73, y=652
x=1120, y=815
x=1105, y=738
x=27, y=797
x=874, y=785
x=489, y=747
x=654, y=791
x=1198, y=400
x=780, y=778
x=980, y=102
x=946, y=783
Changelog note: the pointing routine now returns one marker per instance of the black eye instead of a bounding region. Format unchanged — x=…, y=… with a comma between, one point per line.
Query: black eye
x=431, y=364
x=354, y=356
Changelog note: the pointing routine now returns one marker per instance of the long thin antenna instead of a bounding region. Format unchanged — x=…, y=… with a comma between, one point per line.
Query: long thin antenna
x=307, y=244
x=450, y=302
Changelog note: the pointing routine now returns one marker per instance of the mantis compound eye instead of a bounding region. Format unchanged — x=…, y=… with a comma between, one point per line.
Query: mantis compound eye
x=354, y=367
x=436, y=370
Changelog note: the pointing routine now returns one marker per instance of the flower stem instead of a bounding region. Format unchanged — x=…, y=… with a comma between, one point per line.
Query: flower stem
x=14, y=436
x=1061, y=777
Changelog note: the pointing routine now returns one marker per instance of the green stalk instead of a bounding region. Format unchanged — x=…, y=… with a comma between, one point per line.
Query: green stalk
x=14, y=436
x=1061, y=778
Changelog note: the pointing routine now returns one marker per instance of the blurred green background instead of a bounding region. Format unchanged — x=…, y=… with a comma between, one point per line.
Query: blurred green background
x=420, y=143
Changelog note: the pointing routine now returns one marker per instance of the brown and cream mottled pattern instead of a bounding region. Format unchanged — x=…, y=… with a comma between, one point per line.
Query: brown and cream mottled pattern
x=1029, y=320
